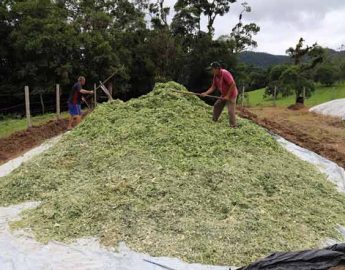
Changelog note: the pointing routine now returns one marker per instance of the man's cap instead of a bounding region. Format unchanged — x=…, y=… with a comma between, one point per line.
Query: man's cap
x=214, y=65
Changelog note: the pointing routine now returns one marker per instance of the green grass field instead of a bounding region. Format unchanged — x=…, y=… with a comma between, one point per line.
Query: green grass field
x=321, y=95
x=9, y=126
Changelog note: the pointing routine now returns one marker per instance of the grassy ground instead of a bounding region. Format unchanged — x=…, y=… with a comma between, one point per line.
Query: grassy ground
x=321, y=95
x=158, y=174
x=9, y=126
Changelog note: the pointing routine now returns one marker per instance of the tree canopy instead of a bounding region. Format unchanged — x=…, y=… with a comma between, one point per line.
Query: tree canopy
x=44, y=42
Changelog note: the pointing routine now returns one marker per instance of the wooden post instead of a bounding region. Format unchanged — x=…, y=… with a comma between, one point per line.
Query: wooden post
x=58, y=101
x=27, y=106
x=95, y=94
x=243, y=89
x=42, y=102
x=275, y=96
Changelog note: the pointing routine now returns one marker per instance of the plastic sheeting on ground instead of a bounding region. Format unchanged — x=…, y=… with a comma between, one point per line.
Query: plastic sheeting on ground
x=335, y=173
x=19, y=251
x=334, y=108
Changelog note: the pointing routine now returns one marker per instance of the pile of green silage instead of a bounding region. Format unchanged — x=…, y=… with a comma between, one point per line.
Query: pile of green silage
x=159, y=175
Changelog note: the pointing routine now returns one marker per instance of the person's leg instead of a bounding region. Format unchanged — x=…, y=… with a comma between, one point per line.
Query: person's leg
x=71, y=116
x=231, y=109
x=218, y=108
x=70, y=121
x=77, y=119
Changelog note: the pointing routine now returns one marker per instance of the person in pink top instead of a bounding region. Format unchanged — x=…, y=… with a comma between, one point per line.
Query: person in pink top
x=225, y=83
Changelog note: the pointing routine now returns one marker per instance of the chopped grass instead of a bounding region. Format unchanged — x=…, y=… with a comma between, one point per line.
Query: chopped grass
x=10, y=125
x=158, y=174
x=321, y=95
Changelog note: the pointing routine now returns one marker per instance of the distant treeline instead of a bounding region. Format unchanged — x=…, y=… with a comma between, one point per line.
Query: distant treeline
x=44, y=42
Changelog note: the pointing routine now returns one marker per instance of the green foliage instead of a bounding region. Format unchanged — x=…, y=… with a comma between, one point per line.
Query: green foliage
x=158, y=174
x=327, y=74
x=293, y=80
x=297, y=78
x=44, y=42
x=274, y=83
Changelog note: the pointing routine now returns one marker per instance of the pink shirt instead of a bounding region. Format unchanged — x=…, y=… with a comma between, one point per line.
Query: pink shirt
x=223, y=82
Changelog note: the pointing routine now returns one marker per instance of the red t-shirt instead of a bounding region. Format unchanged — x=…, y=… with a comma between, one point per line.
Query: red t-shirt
x=223, y=82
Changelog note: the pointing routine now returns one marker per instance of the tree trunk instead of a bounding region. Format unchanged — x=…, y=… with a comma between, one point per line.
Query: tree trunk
x=42, y=103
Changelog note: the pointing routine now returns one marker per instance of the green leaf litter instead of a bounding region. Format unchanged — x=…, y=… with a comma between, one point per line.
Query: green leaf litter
x=159, y=175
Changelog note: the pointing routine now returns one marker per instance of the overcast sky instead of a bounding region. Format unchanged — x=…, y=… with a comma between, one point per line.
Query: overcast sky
x=283, y=22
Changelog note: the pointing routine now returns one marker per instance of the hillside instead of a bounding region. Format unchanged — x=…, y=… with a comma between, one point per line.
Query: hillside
x=321, y=95
x=159, y=175
x=265, y=60
x=262, y=60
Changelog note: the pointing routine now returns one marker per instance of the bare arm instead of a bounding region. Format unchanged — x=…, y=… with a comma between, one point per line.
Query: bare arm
x=86, y=92
x=231, y=89
x=209, y=91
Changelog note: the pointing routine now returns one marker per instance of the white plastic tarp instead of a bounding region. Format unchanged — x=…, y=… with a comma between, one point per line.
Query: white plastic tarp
x=334, y=108
x=335, y=173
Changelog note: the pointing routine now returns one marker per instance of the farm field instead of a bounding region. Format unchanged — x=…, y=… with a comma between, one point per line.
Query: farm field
x=321, y=95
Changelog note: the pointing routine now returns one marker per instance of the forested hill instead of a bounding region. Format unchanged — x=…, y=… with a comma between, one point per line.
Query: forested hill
x=262, y=60
x=265, y=60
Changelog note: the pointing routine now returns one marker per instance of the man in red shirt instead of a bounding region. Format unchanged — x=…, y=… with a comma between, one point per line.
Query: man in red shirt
x=74, y=101
x=225, y=83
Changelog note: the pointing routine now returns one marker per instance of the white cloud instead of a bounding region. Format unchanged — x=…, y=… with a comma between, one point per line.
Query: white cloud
x=283, y=22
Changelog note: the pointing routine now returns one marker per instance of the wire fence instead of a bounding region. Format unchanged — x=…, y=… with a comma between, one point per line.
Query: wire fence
x=40, y=103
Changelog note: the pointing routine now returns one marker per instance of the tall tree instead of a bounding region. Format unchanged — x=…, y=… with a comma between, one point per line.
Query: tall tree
x=213, y=9
x=298, y=78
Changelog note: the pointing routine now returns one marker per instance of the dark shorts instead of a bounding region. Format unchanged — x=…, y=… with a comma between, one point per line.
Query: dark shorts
x=74, y=109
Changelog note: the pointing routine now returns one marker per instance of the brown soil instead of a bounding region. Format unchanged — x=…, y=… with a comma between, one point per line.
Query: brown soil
x=22, y=141
x=320, y=134
x=296, y=107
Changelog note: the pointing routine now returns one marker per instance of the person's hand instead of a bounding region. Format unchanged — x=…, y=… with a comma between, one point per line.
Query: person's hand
x=91, y=92
x=203, y=94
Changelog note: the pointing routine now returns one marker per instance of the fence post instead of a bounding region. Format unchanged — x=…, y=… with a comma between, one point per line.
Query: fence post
x=275, y=96
x=243, y=89
x=58, y=101
x=27, y=106
x=95, y=94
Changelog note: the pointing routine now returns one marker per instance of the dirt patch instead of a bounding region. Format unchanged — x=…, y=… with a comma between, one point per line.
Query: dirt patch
x=322, y=135
x=296, y=107
x=22, y=141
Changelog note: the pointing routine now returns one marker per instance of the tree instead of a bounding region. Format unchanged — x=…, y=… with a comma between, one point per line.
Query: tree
x=275, y=86
x=327, y=74
x=186, y=22
x=211, y=9
x=242, y=34
x=293, y=80
x=43, y=42
x=297, y=78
